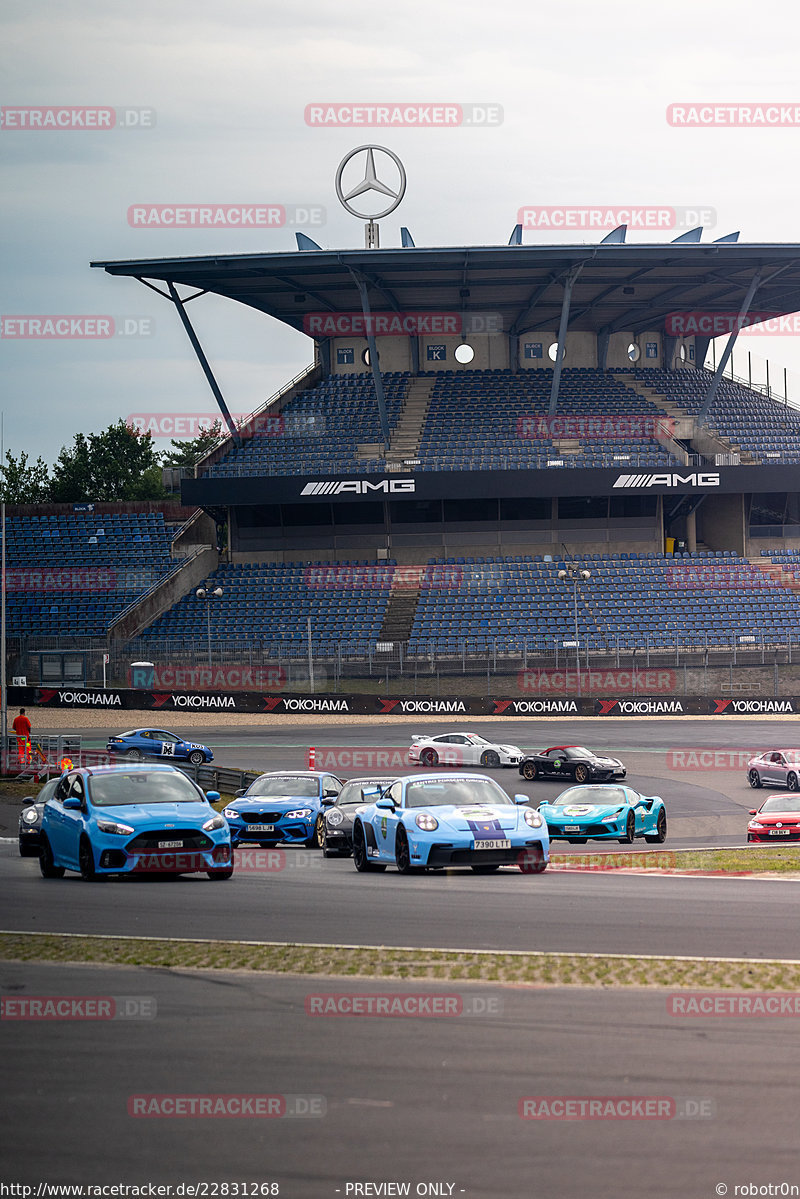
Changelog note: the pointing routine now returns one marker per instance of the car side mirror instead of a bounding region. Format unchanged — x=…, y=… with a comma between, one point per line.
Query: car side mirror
x=72, y=803
x=29, y=799
x=385, y=805
x=330, y=794
x=754, y=811
x=328, y=799
x=238, y=794
x=213, y=796
x=520, y=799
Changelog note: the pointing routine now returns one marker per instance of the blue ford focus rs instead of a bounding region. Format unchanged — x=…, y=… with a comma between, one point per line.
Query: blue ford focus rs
x=431, y=821
x=106, y=820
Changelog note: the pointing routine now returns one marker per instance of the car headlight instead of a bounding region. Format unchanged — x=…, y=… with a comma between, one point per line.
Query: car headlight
x=334, y=817
x=215, y=822
x=533, y=818
x=613, y=818
x=231, y=813
x=427, y=822
x=30, y=815
x=299, y=814
x=111, y=826
x=755, y=824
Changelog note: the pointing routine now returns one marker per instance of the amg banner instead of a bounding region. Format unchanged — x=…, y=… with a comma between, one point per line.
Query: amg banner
x=439, y=706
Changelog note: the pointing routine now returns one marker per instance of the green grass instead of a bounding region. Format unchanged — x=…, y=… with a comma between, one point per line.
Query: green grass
x=381, y=962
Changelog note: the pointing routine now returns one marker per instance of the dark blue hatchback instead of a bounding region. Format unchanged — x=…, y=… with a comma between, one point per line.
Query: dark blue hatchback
x=158, y=743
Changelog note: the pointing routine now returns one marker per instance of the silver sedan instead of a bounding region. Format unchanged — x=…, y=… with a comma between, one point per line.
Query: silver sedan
x=775, y=768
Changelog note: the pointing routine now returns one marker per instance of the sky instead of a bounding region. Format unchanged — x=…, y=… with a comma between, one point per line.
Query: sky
x=217, y=97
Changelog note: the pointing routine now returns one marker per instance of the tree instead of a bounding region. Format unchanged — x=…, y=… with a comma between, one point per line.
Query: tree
x=119, y=463
x=188, y=453
x=21, y=483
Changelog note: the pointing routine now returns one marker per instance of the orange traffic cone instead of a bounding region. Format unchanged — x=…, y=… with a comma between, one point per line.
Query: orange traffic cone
x=312, y=759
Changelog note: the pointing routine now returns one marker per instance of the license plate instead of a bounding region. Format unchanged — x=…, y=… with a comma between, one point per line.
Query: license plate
x=497, y=844
x=261, y=828
x=572, y=828
x=170, y=845
x=779, y=832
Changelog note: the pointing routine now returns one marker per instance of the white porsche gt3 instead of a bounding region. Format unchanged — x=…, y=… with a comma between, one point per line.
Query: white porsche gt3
x=461, y=749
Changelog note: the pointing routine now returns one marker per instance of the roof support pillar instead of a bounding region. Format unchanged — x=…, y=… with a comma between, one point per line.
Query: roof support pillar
x=201, y=358
x=713, y=386
x=373, y=359
x=569, y=283
x=603, y=339
x=413, y=342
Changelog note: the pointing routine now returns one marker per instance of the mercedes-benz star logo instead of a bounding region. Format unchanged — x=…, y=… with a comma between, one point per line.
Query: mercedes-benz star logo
x=370, y=182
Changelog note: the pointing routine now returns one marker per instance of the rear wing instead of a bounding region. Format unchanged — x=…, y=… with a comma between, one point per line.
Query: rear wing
x=419, y=736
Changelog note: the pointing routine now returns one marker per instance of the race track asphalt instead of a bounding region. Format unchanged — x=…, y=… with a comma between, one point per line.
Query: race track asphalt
x=421, y=1101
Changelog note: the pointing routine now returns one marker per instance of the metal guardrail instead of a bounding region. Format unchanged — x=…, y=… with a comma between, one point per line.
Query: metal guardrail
x=225, y=779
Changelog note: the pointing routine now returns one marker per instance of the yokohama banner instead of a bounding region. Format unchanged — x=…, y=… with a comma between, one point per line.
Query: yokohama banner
x=438, y=707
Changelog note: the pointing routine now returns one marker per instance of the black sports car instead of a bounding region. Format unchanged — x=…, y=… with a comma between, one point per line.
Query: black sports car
x=337, y=831
x=571, y=762
x=30, y=820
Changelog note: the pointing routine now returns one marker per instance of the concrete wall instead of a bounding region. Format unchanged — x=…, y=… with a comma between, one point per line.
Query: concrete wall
x=721, y=523
x=158, y=601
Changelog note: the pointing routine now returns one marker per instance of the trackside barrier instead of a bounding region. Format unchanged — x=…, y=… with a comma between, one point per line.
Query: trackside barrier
x=42, y=756
x=187, y=703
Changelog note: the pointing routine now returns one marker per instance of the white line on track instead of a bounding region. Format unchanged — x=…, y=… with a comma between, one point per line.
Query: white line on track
x=485, y=953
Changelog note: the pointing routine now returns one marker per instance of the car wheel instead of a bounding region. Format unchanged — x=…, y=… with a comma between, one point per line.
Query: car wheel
x=531, y=860
x=134, y=755
x=429, y=757
x=581, y=773
x=490, y=758
x=361, y=859
x=402, y=853
x=319, y=831
x=28, y=851
x=529, y=770
x=754, y=778
x=197, y=757
x=86, y=861
x=791, y=781
x=487, y=869
x=46, y=863
x=630, y=830
x=660, y=835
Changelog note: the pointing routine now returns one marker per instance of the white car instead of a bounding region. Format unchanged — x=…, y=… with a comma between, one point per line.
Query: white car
x=461, y=749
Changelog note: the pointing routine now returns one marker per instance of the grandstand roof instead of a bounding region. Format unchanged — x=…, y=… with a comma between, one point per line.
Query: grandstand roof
x=629, y=287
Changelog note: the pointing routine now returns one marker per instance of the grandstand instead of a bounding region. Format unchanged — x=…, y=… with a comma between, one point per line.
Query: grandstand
x=489, y=449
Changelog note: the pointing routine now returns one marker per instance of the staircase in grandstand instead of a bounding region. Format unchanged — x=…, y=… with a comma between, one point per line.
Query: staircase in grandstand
x=398, y=619
x=407, y=433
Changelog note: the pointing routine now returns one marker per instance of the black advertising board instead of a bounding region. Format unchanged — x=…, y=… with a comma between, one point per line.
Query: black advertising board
x=439, y=706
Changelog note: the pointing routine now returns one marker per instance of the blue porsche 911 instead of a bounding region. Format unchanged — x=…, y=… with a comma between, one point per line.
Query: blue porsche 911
x=137, y=744
x=604, y=812
x=103, y=820
x=431, y=821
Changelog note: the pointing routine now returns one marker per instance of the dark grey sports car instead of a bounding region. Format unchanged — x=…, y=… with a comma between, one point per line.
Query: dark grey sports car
x=571, y=762
x=30, y=820
x=337, y=830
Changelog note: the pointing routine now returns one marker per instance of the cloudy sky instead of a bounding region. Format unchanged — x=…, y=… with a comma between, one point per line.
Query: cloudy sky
x=584, y=90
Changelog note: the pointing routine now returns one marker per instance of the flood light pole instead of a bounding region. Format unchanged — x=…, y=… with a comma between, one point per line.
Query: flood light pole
x=208, y=594
x=576, y=575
